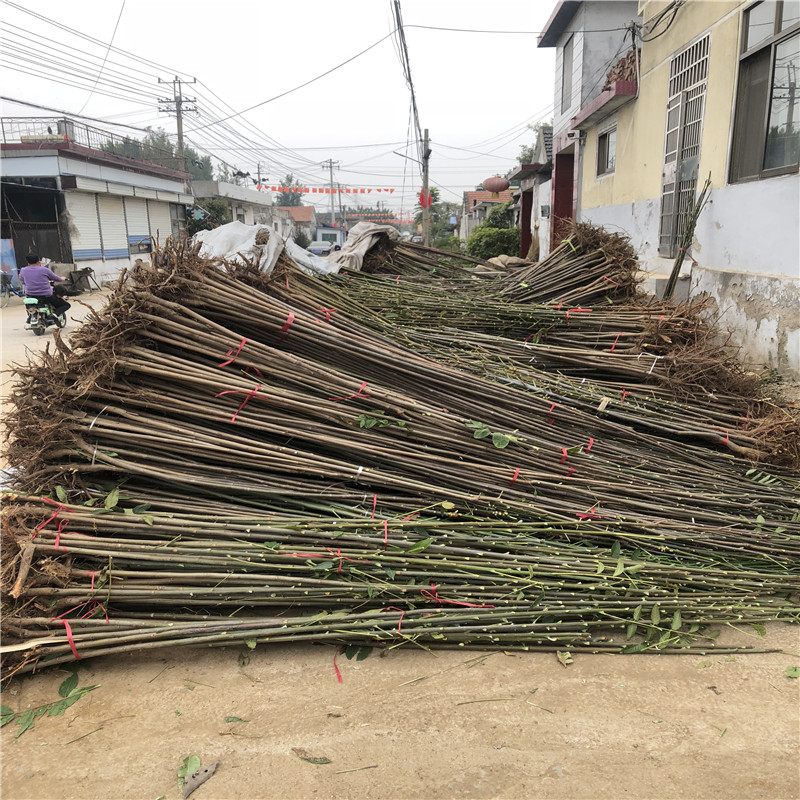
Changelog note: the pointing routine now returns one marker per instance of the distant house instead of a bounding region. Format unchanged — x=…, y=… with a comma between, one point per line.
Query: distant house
x=70, y=196
x=305, y=221
x=246, y=205
x=475, y=206
x=716, y=96
x=534, y=195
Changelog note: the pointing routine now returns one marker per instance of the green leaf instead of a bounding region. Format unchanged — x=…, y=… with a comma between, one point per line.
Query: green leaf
x=500, y=440
x=760, y=520
x=793, y=672
x=190, y=765
x=234, y=719
x=363, y=652
x=25, y=722
x=759, y=629
x=148, y=519
x=630, y=630
x=141, y=508
x=634, y=648
x=564, y=657
x=350, y=651
x=419, y=546
x=599, y=568
x=615, y=550
x=61, y=494
x=112, y=498
x=637, y=612
x=448, y=506
x=68, y=685
x=310, y=760
x=620, y=568
x=327, y=564
x=390, y=573
x=655, y=614
x=676, y=620
x=481, y=433
x=6, y=715
x=472, y=424
x=251, y=644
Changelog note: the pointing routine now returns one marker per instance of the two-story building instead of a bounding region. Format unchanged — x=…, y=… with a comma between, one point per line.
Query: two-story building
x=713, y=95
x=68, y=196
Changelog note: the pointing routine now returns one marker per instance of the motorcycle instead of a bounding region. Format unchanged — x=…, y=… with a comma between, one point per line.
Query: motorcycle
x=41, y=316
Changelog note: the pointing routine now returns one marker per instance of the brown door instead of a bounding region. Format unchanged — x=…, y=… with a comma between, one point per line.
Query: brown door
x=563, y=211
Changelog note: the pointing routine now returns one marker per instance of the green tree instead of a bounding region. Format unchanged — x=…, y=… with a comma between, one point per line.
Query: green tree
x=200, y=168
x=487, y=243
x=499, y=216
x=289, y=198
x=217, y=213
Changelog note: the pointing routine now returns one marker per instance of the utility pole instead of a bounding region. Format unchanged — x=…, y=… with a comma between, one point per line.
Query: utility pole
x=330, y=164
x=177, y=105
x=426, y=211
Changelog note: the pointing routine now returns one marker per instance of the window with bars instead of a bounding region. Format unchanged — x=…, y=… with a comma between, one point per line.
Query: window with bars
x=688, y=73
x=766, y=131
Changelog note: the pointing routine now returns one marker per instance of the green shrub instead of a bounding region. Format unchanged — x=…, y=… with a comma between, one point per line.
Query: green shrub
x=487, y=243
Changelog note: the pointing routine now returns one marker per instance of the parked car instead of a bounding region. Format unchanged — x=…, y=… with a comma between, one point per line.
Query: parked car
x=416, y=238
x=320, y=248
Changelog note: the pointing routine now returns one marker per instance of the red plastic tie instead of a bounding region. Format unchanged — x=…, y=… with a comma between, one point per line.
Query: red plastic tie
x=385, y=534
x=374, y=504
x=359, y=393
x=397, y=279
x=71, y=641
x=571, y=470
x=327, y=312
x=285, y=327
x=606, y=278
x=615, y=343
x=248, y=397
x=402, y=614
x=59, y=508
x=514, y=478
x=589, y=515
x=550, y=410
x=336, y=669
x=433, y=595
x=233, y=354
x=625, y=393
x=589, y=446
x=337, y=555
x=727, y=438
x=61, y=525
x=563, y=457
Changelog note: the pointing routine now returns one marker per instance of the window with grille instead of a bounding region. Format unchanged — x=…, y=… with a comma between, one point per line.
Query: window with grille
x=766, y=131
x=688, y=72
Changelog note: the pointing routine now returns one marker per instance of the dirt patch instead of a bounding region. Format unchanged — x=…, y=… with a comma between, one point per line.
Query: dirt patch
x=457, y=724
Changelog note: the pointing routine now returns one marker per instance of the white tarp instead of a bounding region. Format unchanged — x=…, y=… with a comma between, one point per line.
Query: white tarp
x=237, y=241
x=363, y=237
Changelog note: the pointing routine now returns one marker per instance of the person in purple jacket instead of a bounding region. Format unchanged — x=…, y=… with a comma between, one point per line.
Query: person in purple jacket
x=37, y=277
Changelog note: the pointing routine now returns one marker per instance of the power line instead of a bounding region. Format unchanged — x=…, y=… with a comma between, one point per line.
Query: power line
x=105, y=58
x=296, y=88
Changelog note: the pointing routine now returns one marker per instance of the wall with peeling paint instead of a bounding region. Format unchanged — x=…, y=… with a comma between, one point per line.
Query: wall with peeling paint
x=761, y=311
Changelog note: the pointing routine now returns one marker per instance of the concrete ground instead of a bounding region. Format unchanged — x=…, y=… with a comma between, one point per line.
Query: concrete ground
x=457, y=724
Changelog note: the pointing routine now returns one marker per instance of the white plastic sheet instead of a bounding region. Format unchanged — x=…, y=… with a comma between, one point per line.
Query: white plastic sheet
x=363, y=237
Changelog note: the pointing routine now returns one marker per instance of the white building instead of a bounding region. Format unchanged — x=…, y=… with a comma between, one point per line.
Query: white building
x=68, y=196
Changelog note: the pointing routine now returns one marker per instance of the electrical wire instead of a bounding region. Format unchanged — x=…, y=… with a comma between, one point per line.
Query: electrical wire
x=105, y=57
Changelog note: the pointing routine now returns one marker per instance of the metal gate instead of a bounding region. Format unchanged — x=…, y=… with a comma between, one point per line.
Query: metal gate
x=688, y=73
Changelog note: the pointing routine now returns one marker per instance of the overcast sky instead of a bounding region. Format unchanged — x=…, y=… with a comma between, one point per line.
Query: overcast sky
x=476, y=92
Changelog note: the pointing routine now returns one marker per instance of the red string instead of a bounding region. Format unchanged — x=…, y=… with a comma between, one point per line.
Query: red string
x=70, y=639
x=249, y=395
x=589, y=446
x=374, y=504
x=571, y=470
x=563, y=457
x=625, y=393
x=338, y=674
x=606, y=278
x=285, y=328
x=234, y=355
x=410, y=516
x=402, y=614
x=514, y=478
x=550, y=410
x=615, y=342
x=558, y=307
x=359, y=393
x=385, y=534
x=337, y=554
x=59, y=508
x=61, y=525
x=397, y=279
x=327, y=312
x=589, y=515
x=727, y=438
x=433, y=595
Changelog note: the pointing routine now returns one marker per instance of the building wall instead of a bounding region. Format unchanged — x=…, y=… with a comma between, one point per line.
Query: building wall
x=746, y=242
